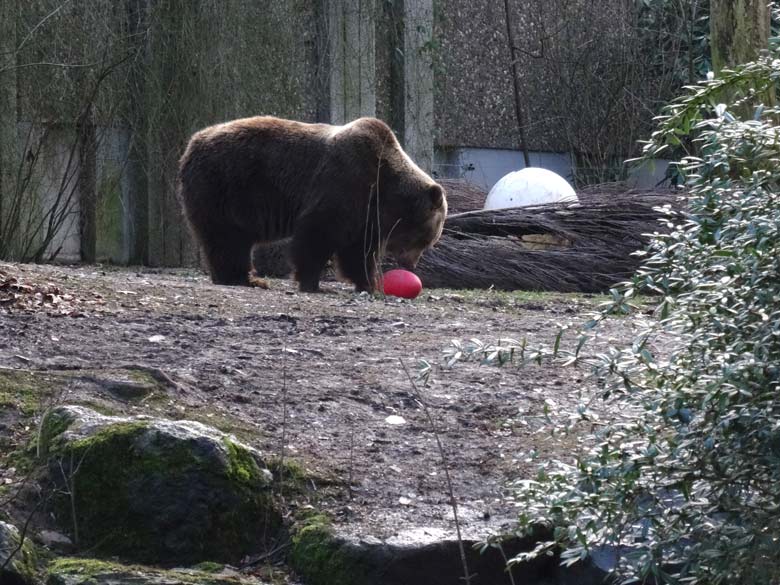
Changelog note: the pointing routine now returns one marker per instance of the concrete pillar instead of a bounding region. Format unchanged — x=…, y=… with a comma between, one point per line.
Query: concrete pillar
x=352, y=40
x=418, y=81
x=9, y=156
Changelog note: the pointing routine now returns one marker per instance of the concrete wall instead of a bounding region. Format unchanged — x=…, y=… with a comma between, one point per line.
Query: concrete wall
x=116, y=89
x=52, y=167
x=584, y=88
x=114, y=200
x=485, y=166
x=56, y=182
x=438, y=71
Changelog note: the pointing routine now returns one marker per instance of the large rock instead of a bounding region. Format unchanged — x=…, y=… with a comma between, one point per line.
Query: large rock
x=20, y=569
x=157, y=491
x=322, y=555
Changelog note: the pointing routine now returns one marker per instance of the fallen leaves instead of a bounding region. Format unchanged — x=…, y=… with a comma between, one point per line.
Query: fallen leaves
x=18, y=295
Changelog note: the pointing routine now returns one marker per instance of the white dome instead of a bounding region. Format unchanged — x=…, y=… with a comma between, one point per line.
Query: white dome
x=529, y=186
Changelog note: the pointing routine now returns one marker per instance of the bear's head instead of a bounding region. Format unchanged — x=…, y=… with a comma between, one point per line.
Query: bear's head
x=410, y=205
x=417, y=223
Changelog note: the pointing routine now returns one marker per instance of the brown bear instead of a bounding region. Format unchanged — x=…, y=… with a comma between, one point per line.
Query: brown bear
x=349, y=191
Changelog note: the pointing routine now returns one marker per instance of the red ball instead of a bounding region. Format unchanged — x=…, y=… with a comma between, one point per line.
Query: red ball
x=401, y=283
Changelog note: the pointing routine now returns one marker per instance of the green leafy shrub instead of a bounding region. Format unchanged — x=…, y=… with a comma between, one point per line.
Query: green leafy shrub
x=687, y=488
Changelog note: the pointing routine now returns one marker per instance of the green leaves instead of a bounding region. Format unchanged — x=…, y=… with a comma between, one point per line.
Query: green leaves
x=686, y=487
x=715, y=486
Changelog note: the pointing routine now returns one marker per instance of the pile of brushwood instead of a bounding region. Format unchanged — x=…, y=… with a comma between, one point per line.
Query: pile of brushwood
x=462, y=195
x=581, y=247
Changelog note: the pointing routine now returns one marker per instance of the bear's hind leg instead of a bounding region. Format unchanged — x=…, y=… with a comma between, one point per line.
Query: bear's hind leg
x=229, y=257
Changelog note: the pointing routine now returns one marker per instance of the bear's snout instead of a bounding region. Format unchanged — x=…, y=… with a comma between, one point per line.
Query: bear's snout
x=408, y=259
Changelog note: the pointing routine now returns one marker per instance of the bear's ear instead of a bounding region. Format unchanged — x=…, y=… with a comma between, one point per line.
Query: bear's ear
x=436, y=195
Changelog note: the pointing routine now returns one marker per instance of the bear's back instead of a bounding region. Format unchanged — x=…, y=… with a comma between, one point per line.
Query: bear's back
x=258, y=153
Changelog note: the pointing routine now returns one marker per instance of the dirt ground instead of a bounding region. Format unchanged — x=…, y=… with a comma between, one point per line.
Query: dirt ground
x=319, y=374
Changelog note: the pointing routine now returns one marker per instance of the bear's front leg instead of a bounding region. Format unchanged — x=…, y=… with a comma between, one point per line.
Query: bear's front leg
x=310, y=251
x=359, y=266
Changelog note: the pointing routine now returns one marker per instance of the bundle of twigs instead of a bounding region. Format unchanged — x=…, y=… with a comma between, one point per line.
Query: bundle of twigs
x=585, y=247
x=463, y=195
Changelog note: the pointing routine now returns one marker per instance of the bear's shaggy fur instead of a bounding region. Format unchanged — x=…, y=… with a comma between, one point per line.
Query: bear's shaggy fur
x=349, y=191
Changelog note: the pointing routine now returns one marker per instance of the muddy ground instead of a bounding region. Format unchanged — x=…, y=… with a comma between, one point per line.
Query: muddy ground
x=315, y=377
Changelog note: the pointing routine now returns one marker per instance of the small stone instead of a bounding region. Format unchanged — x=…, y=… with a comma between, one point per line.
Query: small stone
x=129, y=390
x=55, y=541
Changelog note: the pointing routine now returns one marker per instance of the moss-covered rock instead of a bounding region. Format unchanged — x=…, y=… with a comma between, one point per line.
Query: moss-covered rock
x=157, y=491
x=85, y=571
x=324, y=554
x=323, y=559
x=23, y=560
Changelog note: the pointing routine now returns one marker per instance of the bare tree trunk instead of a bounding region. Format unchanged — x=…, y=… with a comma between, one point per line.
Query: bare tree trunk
x=393, y=15
x=160, y=123
x=694, y=9
x=739, y=30
x=352, y=35
x=519, y=114
x=9, y=159
x=320, y=56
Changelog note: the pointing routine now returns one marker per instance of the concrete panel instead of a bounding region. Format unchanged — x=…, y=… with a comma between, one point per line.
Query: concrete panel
x=58, y=194
x=648, y=175
x=113, y=196
x=485, y=166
